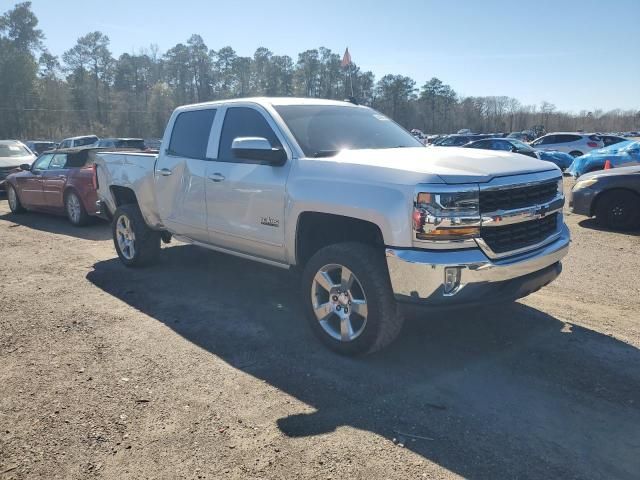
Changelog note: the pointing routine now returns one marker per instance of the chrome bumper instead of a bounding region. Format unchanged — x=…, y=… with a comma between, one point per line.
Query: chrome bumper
x=419, y=275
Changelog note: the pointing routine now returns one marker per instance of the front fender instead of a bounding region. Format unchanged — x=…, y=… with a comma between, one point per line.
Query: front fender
x=387, y=206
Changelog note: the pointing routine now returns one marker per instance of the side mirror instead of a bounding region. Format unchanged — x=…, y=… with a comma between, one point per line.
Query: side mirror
x=25, y=167
x=258, y=148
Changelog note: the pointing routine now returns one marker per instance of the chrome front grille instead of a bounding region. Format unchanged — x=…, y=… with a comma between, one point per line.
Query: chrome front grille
x=517, y=197
x=521, y=235
x=520, y=216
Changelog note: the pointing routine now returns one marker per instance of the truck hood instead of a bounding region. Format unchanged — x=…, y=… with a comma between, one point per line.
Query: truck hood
x=451, y=164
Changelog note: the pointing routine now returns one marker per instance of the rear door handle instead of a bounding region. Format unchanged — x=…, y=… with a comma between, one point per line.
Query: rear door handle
x=216, y=177
x=165, y=172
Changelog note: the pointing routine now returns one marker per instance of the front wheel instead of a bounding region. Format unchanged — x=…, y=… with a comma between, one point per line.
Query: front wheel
x=14, y=201
x=137, y=245
x=618, y=210
x=350, y=303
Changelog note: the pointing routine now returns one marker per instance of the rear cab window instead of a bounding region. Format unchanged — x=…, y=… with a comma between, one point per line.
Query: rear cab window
x=190, y=134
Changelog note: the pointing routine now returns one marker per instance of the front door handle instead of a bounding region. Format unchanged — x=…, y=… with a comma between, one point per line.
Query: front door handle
x=216, y=177
x=165, y=172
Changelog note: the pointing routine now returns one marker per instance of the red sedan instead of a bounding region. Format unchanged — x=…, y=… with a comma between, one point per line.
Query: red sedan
x=59, y=182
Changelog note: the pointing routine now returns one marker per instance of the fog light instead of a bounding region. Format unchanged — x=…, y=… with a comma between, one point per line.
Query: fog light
x=451, y=279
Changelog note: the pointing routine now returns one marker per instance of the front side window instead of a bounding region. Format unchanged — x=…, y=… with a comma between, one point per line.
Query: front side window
x=324, y=130
x=59, y=161
x=190, y=134
x=501, y=145
x=243, y=122
x=42, y=163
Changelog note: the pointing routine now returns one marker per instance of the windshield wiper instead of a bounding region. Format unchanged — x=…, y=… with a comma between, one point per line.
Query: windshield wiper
x=325, y=153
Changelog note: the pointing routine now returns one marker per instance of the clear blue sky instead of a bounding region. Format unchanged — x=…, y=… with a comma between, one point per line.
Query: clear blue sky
x=576, y=54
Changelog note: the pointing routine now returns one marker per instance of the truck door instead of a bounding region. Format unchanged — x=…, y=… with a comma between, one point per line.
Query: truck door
x=246, y=198
x=180, y=174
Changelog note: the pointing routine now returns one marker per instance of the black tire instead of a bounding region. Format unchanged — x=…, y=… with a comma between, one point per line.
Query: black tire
x=146, y=242
x=618, y=210
x=383, y=320
x=79, y=217
x=576, y=153
x=14, y=206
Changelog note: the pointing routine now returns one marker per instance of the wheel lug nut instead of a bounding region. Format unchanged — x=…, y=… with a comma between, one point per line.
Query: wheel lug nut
x=338, y=308
x=346, y=310
x=335, y=298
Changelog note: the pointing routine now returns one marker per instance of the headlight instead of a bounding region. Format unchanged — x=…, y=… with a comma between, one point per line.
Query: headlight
x=560, y=186
x=584, y=184
x=448, y=215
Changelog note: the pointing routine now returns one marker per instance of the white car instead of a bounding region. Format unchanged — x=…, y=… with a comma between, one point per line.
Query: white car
x=13, y=154
x=575, y=144
x=83, y=141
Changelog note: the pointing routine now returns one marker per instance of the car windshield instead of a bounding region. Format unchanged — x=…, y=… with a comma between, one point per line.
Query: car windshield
x=324, y=130
x=453, y=141
x=520, y=145
x=80, y=142
x=13, y=150
x=130, y=143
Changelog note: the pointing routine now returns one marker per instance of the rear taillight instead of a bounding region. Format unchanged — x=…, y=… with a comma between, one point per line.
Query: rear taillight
x=94, y=176
x=592, y=144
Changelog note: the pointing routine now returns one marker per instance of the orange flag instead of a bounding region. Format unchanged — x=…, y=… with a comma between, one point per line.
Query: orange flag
x=346, y=59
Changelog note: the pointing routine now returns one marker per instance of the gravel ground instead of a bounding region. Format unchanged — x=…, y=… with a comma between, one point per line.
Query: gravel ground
x=201, y=367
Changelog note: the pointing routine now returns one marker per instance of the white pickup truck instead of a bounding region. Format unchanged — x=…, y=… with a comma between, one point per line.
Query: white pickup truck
x=369, y=216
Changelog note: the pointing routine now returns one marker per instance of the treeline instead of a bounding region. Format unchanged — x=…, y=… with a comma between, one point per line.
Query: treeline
x=87, y=90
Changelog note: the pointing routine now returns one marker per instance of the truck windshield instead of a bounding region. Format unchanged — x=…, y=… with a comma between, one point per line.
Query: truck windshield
x=324, y=130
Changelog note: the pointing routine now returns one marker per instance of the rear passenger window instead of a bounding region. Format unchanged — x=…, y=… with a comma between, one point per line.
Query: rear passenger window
x=243, y=122
x=567, y=138
x=190, y=134
x=59, y=161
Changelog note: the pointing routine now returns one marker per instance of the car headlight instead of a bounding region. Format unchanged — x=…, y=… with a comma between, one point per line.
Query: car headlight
x=447, y=215
x=561, y=186
x=584, y=184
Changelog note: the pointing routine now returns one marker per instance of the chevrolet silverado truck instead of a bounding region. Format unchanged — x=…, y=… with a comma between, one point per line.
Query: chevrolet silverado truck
x=369, y=217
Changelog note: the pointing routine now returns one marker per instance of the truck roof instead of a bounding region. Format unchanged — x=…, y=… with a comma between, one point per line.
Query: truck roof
x=275, y=101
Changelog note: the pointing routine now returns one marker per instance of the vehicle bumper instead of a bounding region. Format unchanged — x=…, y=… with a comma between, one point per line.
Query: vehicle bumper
x=102, y=211
x=581, y=201
x=418, y=276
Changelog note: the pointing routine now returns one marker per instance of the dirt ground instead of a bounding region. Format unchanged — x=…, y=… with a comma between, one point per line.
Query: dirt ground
x=202, y=367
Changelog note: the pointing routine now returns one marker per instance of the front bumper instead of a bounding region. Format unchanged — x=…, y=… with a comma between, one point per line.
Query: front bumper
x=581, y=201
x=418, y=276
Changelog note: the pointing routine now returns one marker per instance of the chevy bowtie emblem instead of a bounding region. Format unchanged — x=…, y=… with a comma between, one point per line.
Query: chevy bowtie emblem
x=542, y=211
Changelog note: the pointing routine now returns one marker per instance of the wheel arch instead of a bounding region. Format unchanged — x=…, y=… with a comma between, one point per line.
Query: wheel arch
x=315, y=230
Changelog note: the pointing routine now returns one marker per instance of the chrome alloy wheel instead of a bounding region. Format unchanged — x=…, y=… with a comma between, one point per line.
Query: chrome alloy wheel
x=73, y=208
x=125, y=237
x=339, y=302
x=13, y=199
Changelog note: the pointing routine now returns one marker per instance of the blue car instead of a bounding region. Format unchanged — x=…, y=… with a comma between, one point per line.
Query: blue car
x=623, y=153
x=561, y=159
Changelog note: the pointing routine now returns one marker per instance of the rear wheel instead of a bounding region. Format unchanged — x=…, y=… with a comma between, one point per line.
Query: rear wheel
x=575, y=153
x=14, y=200
x=137, y=245
x=618, y=210
x=76, y=213
x=350, y=303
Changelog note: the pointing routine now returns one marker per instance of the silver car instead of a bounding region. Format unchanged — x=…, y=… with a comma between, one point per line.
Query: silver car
x=13, y=154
